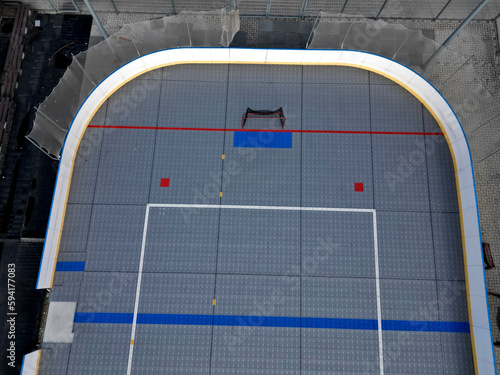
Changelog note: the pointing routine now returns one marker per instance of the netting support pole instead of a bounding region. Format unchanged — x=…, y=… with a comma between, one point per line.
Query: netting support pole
x=498, y=32
x=349, y=30
x=77, y=8
x=173, y=7
x=114, y=6
x=96, y=19
x=312, y=30
x=442, y=10
x=381, y=9
x=53, y=5
x=345, y=4
x=454, y=34
x=268, y=8
x=303, y=9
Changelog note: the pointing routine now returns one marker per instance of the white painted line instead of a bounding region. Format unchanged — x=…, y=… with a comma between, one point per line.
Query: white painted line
x=377, y=288
x=138, y=292
x=283, y=208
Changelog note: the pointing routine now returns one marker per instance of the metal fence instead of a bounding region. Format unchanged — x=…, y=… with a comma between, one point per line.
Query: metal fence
x=407, y=9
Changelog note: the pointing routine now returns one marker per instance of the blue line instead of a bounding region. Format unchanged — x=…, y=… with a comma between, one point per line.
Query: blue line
x=184, y=319
x=262, y=139
x=423, y=326
x=256, y=321
x=86, y=317
x=366, y=324
x=70, y=266
x=271, y=321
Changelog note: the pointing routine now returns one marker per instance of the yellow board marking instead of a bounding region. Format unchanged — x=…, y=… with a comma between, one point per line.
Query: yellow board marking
x=132, y=342
x=213, y=302
x=38, y=361
x=223, y=157
x=298, y=63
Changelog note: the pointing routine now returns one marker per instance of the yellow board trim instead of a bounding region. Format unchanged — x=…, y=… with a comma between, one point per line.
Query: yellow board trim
x=38, y=361
x=213, y=303
x=464, y=250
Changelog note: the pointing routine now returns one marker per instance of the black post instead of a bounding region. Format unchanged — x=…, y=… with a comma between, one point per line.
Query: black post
x=381, y=9
x=442, y=10
x=114, y=6
x=345, y=4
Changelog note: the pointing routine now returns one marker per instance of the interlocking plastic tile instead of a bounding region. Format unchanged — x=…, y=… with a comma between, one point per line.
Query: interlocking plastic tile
x=115, y=238
x=181, y=240
x=337, y=244
x=336, y=107
x=343, y=298
x=331, y=165
x=259, y=242
x=394, y=109
x=405, y=245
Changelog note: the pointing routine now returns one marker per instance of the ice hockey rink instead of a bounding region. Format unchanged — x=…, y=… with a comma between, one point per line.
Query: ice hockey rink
x=193, y=246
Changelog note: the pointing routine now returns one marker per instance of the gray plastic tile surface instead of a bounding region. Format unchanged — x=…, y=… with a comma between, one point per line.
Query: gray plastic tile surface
x=337, y=244
x=107, y=292
x=448, y=246
x=254, y=295
x=409, y=300
x=279, y=263
x=194, y=171
x=263, y=96
x=192, y=104
x=99, y=348
x=257, y=176
x=336, y=107
x=412, y=353
x=259, y=242
x=176, y=294
x=400, y=173
x=405, y=245
x=54, y=359
x=175, y=349
x=261, y=350
x=115, y=238
x=135, y=105
x=355, y=351
x=179, y=240
x=344, y=298
x=125, y=170
x=393, y=109
x=442, y=186
x=83, y=180
x=331, y=165
x=76, y=228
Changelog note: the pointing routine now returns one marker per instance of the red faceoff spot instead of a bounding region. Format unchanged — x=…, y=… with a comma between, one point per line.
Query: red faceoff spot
x=358, y=186
x=165, y=182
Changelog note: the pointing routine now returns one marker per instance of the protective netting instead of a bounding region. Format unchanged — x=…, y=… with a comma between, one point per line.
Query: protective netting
x=89, y=68
x=451, y=72
x=342, y=31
